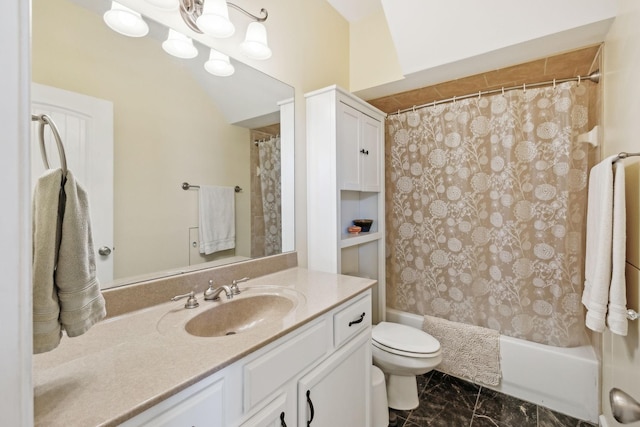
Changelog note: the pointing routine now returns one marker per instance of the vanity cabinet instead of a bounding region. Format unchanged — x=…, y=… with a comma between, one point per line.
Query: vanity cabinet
x=273, y=415
x=330, y=356
x=345, y=148
x=200, y=405
x=337, y=392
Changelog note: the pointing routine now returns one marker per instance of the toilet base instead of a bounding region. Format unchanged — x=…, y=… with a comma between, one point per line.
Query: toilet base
x=402, y=392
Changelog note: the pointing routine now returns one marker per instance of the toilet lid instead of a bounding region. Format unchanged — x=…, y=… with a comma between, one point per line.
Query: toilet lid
x=402, y=338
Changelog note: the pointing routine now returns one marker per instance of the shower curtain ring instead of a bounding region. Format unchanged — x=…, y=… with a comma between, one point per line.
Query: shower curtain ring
x=524, y=87
x=578, y=79
x=502, y=90
x=479, y=94
x=554, y=83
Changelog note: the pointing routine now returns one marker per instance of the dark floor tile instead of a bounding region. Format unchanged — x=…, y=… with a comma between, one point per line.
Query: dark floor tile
x=451, y=389
x=500, y=410
x=549, y=418
x=439, y=413
x=422, y=381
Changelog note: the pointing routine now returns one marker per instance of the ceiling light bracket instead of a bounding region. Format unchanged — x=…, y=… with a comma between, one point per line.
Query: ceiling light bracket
x=190, y=10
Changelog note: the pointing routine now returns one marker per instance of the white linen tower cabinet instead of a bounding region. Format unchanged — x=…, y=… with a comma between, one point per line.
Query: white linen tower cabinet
x=345, y=181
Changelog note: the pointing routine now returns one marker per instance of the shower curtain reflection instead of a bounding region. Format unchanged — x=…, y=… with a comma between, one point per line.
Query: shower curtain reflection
x=486, y=203
x=266, y=208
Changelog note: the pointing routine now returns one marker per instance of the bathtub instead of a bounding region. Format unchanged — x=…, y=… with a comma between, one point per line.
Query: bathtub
x=565, y=380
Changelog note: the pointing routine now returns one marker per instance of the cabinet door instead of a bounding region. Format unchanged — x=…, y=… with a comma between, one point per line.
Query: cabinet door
x=274, y=415
x=337, y=392
x=202, y=409
x=348, y=140
x=370, y=152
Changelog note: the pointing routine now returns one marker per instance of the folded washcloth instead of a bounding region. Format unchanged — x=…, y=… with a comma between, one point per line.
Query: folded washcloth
x=617, y=313
x=217, y=227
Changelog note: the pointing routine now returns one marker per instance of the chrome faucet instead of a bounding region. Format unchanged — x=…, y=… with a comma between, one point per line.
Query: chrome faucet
x=212, y=294
x=234, y=285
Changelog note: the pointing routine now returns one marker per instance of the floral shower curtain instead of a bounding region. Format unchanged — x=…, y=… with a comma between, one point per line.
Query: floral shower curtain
x=486, y=206
x=269, y=155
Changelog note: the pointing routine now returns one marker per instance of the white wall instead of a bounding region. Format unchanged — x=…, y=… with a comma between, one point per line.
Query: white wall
x=16, y=404
x=621, y=355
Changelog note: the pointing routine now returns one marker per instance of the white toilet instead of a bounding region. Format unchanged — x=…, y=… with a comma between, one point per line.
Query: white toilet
x=402, y=352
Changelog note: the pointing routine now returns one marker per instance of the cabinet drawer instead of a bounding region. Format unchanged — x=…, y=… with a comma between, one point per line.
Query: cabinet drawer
x=267, y=373
x=351, y=320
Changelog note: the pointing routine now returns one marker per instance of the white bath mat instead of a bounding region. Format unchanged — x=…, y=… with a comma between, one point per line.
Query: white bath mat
x=468, y=351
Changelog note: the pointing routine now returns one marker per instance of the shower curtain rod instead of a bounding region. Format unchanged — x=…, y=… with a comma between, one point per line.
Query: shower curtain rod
x=258, y=141
x=593, y=77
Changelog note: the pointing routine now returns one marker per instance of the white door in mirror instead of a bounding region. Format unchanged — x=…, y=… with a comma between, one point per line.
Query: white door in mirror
x=85, y=124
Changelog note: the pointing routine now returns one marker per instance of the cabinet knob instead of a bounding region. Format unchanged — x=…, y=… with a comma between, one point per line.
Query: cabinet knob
x=363, y=151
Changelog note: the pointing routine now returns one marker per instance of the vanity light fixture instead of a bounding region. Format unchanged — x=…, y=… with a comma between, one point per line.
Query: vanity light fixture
x=179, y=45
x=164, y=4
x=125, y=21
x=255, y=43
x=219, y=64
x=214, y=19
x=211, y=17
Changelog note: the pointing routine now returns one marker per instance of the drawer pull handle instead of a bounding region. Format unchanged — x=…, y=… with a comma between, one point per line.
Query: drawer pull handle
x=353, y=322
x=310, y=407
x=282, y=423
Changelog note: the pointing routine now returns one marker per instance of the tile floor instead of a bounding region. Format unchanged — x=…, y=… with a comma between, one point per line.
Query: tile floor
x=446, y=401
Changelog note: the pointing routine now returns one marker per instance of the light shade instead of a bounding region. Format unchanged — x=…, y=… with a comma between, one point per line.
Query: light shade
x=125, y=21
x=255, y=43
x=164, y=4
x=219, y=64
x=214, y=19
x=179, y=45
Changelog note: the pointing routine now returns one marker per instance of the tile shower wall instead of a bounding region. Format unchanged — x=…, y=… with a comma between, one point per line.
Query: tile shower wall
x=579, y=62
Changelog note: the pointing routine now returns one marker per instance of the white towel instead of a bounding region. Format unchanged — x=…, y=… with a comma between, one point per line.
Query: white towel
x=601, y=240
x=617, y=314
x=217, y=228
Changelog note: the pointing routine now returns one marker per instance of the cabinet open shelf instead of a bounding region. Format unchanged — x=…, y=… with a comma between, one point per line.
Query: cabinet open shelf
x=348, y=240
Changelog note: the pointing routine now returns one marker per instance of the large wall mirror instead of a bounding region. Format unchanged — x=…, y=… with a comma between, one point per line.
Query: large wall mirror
x=172, y=122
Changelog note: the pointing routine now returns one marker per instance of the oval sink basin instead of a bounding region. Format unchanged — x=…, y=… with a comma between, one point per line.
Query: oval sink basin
x=239, y=315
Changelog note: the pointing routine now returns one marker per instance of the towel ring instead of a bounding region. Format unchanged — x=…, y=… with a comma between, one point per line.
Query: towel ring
x=44, y=120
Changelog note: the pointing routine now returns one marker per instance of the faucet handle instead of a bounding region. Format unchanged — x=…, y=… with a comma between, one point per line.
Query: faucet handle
x=192, y=302
x=234, y=285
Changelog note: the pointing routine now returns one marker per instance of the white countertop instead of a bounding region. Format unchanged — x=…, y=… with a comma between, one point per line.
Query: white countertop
x=127, y=364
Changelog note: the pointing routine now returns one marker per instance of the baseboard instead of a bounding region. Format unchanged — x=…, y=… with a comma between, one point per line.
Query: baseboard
x=602, y=421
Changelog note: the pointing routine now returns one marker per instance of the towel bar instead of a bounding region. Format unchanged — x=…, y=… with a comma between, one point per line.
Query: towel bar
x=632, y=314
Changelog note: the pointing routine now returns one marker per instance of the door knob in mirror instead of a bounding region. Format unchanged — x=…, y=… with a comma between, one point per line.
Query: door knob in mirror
x=104, y=251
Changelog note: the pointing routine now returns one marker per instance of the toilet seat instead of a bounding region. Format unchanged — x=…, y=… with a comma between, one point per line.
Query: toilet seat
x=404, y=340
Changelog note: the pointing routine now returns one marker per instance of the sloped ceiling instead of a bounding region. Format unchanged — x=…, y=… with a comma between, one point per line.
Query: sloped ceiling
x=438, y=41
